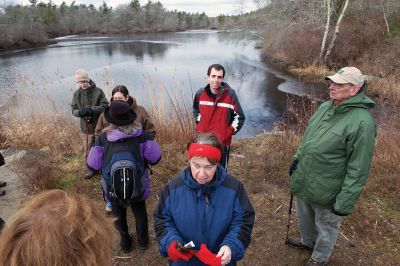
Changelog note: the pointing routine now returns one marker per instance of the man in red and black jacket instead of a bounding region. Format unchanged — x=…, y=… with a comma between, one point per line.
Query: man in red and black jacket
x=216, y=109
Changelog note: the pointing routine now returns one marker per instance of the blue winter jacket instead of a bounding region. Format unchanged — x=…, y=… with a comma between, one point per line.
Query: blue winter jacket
x=183, y=214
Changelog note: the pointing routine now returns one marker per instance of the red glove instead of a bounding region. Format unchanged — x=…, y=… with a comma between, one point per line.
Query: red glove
x=207, y=257
x=174, y=254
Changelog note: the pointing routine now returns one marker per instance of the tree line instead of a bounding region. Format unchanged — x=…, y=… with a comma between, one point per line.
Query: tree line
x=34, y=24
x=327, y=32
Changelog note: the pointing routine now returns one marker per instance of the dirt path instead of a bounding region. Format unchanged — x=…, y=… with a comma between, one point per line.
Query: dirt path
x=15, y=192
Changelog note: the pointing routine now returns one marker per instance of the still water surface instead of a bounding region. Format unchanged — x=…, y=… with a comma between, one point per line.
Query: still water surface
x=146, y=63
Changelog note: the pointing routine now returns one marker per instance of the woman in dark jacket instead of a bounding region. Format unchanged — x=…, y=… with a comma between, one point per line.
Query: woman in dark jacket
x=123, y=132
x=142, y=120
x=204, y=205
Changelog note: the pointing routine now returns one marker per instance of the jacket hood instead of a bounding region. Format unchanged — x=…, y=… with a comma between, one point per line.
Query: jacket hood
x=219, y=177
x=132, y=101
x=360, y=100
x=123, y=132
x=92, y=85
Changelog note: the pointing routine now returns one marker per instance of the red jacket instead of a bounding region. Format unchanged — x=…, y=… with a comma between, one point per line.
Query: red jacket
x=220, y=114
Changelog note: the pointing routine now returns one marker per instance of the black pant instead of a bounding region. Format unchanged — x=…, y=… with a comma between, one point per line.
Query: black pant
x=2, y=223
x=140, y=213
x=225, y=157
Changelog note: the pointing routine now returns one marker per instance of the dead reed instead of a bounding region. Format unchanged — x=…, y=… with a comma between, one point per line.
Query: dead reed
x=312, y=72
x=38, y=171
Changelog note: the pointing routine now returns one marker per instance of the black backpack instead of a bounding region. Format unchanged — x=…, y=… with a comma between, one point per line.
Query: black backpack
x=124, y=170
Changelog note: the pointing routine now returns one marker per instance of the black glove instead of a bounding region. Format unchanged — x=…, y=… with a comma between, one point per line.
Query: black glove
x=337, y=213
x=82, y=112
x=293, y=166
x=89, y=111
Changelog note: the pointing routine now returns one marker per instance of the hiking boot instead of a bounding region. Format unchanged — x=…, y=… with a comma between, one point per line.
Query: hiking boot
x=126, y=242
x=312, y=262
x=297, y=243
x=90, y=174
x=144, y=246
x=3, y=184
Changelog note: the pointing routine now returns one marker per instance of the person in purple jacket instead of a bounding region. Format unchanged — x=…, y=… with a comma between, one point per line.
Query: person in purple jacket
x=121, y=118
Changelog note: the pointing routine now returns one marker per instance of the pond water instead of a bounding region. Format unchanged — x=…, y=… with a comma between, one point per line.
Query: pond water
x=146, y=64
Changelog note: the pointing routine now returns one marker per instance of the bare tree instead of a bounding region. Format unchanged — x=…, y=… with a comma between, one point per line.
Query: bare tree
x=384, y=17
x=328, y=20
x=336, y=33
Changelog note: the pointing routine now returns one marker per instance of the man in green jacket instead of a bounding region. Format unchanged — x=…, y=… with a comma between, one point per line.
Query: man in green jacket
x=88, y=103
x=330, y=168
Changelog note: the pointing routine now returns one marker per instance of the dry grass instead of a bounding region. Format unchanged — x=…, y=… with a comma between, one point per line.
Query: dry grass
x=171, y=113
x=38, y=171
x=312, y=72
x=41, y=128
x=261, y=163
x=62, y=138
x=386, y=90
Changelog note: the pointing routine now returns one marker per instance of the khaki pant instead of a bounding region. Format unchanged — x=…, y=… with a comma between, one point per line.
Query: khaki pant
x=90, y=141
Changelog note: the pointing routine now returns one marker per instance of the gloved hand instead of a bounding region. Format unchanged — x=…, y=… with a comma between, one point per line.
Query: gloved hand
x=337, y=213
x=293, y=166
x=82, y=112
x=174, y=254
x=89, y=111
x=207, y=257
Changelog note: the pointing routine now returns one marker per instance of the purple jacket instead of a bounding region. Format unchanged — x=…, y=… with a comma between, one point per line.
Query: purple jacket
x=149, y=150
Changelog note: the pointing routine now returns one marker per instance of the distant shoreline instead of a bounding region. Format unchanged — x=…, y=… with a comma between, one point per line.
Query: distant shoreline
x=30, y=44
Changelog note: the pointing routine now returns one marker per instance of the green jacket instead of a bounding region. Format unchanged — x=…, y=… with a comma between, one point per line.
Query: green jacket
x=93, y=98
x=335, y=154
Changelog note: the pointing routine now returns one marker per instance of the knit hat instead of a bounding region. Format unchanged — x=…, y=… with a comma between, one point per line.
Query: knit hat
x=81, y=75
x=348, y=75
x=119, y=113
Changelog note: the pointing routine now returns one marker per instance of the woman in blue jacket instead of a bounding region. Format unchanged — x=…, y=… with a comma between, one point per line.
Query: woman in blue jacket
x=204, y=205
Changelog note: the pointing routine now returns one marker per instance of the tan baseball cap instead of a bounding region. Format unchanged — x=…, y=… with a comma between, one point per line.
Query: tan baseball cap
x=348, y=75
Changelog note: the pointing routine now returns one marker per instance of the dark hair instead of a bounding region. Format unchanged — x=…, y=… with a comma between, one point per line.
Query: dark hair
x=208, y=139
x=217, y=67
x=119, y=88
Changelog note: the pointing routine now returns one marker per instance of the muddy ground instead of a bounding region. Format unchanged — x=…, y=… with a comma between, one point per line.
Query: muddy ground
x=368, y=237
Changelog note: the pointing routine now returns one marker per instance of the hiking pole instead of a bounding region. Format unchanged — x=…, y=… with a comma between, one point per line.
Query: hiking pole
x=288, y=224
x=87, y=135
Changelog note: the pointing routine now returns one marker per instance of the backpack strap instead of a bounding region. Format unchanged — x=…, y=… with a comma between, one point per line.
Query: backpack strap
x=131, y=145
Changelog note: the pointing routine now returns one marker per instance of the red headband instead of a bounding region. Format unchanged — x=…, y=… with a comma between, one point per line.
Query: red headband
x=203, y=150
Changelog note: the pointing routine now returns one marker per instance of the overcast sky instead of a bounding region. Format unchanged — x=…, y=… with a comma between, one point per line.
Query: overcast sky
x=210, y=7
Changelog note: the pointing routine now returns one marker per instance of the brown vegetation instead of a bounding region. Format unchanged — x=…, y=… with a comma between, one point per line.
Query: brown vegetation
x=261, y=163
x=369, y=237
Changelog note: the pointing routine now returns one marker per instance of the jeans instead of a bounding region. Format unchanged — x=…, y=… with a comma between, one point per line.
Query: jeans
x=140, y=213
x=319, y=229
